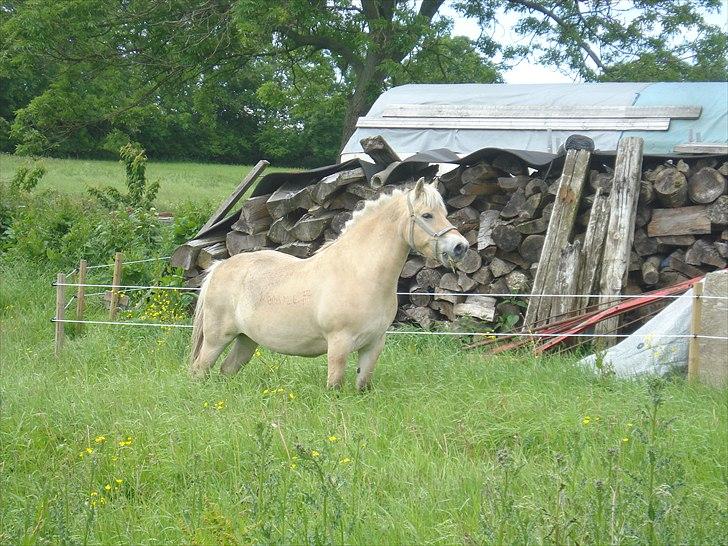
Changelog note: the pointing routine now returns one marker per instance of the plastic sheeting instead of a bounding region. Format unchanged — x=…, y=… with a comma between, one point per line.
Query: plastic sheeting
x=712, y=124
x=645, y=351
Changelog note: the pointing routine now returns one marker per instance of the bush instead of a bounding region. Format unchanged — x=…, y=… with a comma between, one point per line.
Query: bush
x=26, y=178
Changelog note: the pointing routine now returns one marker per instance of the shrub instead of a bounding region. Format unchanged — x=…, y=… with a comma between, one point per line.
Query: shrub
x=26, y=178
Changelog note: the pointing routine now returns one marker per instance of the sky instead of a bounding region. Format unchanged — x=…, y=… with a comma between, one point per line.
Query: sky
x=528, y=72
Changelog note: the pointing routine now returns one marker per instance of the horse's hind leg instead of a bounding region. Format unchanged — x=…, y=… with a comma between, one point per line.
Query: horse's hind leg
x=240, y=353
x=212, y=347
x=368, y=357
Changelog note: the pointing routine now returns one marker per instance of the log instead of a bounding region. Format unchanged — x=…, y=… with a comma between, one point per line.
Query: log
x=635, y=262
x=227, y=205
x=254, y=216
x=411, y=267
x=424, y=316
x=428, y=278
x=328, y=185
x=280, y=230
x=488, y=220
x=704, y=253
x=379, y=150
x=345, y=200
x=480, y=172
x=466, y=283
x=481, y=307
x=651, y=270
x=338, y=222
x=516, y=204
x=479, y=188
x=450, y=297
x=465, y=219
x=531, y=247
x=677, y=263
x=444, y=307
x=499, y=267
x=643, y=217
x=361, y=190
x=297, y=249
x=533, y=227
x=506, y=237
x=460, y=201
x=514, y=258
x=601, y=181
x=452, y=180
x=718, y=211
x=449, y=281
x=620, y=231
x=510, y=184
x=644, y=245
x=483, y=275
x=237, y=242
x=693, y=220
x=417, y=298
x=570, y=187
x=675, y=240
x=518, y=282
x=722, y=248
x=185, y=255
x=311, y=226
x=593, y=248
x=534, y=186
x=706, y=185
x=471, y=262
x=211, y=254
x=671, y=188
x=567, y=279
x=647, y=193
x=289, y=197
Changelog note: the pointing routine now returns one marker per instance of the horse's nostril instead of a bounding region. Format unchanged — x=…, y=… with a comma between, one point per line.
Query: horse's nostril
x=459, y=249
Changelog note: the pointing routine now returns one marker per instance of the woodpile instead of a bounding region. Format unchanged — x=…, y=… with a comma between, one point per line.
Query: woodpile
x=504, y=209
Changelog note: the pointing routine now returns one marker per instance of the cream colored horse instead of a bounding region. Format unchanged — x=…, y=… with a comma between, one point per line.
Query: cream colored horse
x=340, y=300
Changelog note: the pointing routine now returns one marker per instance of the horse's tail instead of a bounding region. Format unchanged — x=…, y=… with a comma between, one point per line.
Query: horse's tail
x=198, y=333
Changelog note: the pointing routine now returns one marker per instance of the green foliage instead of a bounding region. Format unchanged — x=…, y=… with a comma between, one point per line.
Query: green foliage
x=140, y=194
x=26, y=178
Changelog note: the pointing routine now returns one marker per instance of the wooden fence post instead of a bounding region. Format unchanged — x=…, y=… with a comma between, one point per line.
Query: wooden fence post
x=81, y=294
x=60, y=312
x=115, y=284
x=694, y=346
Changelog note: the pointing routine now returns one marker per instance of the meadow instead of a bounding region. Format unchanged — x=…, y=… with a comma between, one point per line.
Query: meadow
x=111, y=443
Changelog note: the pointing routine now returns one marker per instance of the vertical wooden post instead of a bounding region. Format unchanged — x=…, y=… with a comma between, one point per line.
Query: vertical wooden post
x=694, y=346
x=620, y=229
x=81, y=294
x=60, y=312
x=115, y=283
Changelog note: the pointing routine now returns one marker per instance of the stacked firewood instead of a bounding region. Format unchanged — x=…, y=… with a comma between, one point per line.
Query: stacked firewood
x=502, y=207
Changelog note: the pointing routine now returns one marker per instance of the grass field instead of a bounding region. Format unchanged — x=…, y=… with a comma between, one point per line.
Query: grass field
x=179, y=181
x=112, y=444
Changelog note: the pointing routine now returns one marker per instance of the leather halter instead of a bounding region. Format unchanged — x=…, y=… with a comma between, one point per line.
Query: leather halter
x=427, y=229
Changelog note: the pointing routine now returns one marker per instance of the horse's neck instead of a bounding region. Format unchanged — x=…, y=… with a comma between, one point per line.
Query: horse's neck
x=375, y=243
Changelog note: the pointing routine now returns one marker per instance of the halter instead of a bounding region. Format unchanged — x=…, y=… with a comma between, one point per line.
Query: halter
x=427, y=229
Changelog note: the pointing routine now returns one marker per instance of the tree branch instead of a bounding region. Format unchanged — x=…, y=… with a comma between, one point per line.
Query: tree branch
x=535, y=6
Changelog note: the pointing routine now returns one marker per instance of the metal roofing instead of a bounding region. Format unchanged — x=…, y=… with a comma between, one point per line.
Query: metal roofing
x=465, y=118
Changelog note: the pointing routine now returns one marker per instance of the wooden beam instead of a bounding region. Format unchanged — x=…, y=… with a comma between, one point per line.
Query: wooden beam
x=561, y=223
x=557, y=124
x=540, y=111
x=620, y=231
x=593, y=248
x=701, y=148
x=234, y=197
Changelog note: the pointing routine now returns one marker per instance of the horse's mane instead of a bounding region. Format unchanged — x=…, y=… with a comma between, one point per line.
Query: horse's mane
x=430, y=195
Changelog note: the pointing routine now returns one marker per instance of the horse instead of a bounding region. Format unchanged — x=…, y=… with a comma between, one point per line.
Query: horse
x=340, y=300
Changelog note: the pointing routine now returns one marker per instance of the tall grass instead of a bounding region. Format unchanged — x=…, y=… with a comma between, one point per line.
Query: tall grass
x=450, y=446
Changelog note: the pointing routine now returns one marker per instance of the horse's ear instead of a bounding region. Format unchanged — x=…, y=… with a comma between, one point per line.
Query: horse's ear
x=419, y=187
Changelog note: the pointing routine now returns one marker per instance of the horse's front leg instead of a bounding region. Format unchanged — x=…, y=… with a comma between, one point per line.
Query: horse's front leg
x=368, y=357
x=339, y=347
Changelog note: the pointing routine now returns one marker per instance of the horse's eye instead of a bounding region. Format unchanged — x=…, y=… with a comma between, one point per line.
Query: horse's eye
x=427, y=216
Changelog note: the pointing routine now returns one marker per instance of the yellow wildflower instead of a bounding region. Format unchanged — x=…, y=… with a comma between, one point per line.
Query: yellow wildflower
x=315, y=454
x=345, y=460
x=332, y=438
x=586, y=420
x=89, y=450
x=107, y=487
x=100, y=439
x=292, y=396
x=625, y=440
x=293, y=466
x=119, y=481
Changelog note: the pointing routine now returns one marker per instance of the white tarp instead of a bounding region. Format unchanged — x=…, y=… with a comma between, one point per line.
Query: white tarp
x=646, y=351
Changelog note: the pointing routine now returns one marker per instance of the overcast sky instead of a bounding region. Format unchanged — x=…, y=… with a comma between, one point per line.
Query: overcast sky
x=527, y=72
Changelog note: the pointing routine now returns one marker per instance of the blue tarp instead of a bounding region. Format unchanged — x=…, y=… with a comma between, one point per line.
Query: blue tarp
x=712, y=126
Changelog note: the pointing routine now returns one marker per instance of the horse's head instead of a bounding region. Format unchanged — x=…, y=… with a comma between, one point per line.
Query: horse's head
x=429, y=232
